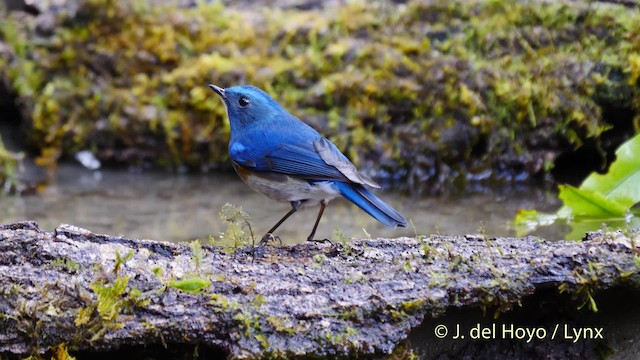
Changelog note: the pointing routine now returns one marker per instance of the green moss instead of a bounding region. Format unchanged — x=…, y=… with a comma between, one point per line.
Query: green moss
x=585, y=286
x=344, y=337
x=121, y=260
x=111, y=299
x=66, y=264
x=281, y=325
x=222, y=303
x=354, y=279
x=197, y=255
x=412, y=306
x=191, y=285
x=351, y=314
x=400, y=312
x=318, y=259
x=250, y=322
x=239, y=230
x=432, y=88
x=61, y=352
x=10, y=165
x=404, y=351
x=258, y=300
x=114, y=296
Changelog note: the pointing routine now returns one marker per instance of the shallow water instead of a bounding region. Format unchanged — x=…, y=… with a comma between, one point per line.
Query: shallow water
x=164, y=206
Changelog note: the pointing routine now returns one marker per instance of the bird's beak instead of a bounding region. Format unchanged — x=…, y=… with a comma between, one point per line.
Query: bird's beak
x=218, y=90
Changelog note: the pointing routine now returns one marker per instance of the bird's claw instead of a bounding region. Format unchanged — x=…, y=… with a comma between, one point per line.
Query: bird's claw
x=323, y=241
x=269, y=237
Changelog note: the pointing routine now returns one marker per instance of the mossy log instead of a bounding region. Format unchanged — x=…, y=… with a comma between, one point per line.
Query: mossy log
x=99, y=292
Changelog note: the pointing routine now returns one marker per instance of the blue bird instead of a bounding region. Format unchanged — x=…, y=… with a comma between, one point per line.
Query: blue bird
x=280, y=156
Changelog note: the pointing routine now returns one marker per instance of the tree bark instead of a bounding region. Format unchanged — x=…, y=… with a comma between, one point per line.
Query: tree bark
x=98, y=292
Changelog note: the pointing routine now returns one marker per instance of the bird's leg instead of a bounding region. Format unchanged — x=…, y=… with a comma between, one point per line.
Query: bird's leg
x=295, y=205
x=315, y=226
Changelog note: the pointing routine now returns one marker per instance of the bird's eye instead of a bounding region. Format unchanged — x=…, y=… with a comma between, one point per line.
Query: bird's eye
x=243, y=101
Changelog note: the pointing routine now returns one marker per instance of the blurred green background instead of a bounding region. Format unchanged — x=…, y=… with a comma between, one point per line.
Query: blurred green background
x=428, y=93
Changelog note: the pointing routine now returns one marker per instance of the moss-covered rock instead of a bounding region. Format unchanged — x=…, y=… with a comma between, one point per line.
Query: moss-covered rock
x=430, y=92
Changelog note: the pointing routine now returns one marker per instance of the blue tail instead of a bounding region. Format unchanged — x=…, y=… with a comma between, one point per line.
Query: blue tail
x=370, y=203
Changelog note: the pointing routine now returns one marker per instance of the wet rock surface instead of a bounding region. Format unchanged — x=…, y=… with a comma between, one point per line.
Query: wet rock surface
x=100, y=293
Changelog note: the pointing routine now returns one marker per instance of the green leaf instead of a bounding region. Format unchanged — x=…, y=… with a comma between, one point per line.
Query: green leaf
x=581, y=226
x=622, y=182
x=193, y=285
x=607, y=195
x=608, y=198
x=527, y=220
x=589, y=203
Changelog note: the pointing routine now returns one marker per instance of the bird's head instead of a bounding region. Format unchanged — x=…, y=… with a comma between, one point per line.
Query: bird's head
x=247, y=105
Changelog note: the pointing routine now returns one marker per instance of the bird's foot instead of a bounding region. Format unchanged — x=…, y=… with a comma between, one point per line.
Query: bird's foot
x=323, y=241
x=269, y=237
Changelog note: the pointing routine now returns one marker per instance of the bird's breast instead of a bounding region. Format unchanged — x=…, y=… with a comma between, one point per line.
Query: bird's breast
x=285, y=188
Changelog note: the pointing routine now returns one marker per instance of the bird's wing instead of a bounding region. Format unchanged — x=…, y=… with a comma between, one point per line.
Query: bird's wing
x=330, y=154
x=318, y=159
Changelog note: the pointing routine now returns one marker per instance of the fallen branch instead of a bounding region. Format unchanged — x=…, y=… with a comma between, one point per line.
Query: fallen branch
x=100, y=292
